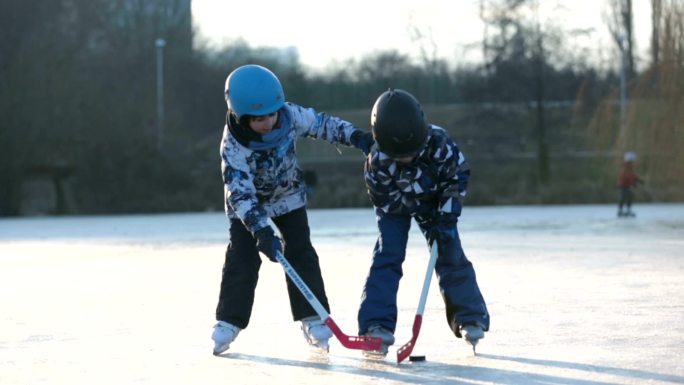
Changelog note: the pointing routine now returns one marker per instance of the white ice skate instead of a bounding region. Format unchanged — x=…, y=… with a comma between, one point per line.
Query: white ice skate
x=387, y=340
x=472, y=334
x=316, y=332
x=224, y=334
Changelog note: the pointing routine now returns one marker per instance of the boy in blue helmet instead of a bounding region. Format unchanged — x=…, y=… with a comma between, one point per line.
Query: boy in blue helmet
x=262, y=181
x=416, y=171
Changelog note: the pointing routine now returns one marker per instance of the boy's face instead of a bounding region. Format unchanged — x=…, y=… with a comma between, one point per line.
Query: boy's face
x=263, y=124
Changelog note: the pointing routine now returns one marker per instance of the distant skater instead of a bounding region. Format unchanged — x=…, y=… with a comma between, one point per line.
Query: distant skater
x=627, y=180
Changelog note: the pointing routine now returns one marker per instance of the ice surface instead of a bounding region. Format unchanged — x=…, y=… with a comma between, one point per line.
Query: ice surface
x=577, y=297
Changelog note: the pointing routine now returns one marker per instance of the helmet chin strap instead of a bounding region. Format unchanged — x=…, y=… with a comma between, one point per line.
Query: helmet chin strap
x=408, y=139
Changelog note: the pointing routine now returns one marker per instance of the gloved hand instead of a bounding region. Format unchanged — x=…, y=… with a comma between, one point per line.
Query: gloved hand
x=424, y=211
x=268, y=243
x=363, y=141
x=442, y=230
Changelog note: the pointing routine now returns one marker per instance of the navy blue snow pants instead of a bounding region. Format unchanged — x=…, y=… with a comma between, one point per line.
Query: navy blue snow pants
x=241, y=269
x=457, y=282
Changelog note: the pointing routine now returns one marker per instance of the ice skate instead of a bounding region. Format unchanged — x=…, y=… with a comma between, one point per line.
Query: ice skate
x=316, y=332
x=387, y=340
x=472, y=334
x=224, y=334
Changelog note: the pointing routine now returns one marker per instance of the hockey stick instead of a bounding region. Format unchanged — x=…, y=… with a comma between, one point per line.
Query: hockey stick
x=407, y=348
x=350, y=342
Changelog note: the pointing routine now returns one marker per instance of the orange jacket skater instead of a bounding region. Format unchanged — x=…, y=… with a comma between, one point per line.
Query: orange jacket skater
x=627, y=180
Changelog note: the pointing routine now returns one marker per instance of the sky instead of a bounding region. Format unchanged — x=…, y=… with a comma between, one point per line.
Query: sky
x=326, y=33
x=577, y=296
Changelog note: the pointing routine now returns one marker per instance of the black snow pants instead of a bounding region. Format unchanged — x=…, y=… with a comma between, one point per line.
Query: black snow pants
x=241, y=269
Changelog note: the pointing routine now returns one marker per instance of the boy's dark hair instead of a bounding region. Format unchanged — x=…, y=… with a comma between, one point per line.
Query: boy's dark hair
x=244, y=120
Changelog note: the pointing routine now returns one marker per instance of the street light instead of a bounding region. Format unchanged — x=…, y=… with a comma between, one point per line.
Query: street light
x=160, y=44
x=623, y=83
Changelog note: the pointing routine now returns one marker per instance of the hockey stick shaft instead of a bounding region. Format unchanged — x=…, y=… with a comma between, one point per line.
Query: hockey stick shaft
x=406, y=349
x=350, y=342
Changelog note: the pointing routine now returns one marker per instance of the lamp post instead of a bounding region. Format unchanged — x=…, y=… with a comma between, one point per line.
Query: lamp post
x=160, y=44
x=623, y=84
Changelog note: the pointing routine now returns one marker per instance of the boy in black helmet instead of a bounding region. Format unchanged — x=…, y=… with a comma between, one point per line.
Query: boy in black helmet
x=416, y=171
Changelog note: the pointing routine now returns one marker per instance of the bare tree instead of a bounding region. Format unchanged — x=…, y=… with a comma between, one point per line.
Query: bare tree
x=28, y=103
x=539, y=56
x=654, y=117
x=656, y=21
x=428, y=55
x=620, y=20
x=517, y=57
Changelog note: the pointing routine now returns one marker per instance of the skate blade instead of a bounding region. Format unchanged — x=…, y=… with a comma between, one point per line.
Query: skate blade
x=319, y=345
x=322, y=346
x=376, y=354
x=219, y=349
x=473, y=343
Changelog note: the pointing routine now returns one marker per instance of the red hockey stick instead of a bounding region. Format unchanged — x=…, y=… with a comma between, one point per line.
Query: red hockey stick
x=350, y=342
x=407, y=348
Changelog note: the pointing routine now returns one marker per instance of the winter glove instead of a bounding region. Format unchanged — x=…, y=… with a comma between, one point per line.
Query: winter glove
x=363, y=141
x=268, y=243
x=442, y=231
x=424, y=211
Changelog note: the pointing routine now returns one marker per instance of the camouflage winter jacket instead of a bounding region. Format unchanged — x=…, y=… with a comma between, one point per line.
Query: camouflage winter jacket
x=262, y=183
x=429, y=188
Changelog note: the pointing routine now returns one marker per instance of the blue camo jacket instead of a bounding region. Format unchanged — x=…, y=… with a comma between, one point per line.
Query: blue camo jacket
x=431, y=186
x=259, y=184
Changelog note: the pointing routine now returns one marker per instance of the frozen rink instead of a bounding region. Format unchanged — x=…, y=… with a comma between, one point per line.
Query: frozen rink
x=576, y=295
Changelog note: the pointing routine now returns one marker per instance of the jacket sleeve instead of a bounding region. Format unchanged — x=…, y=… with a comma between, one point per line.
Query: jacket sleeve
x=431, y=189
x=238, y=181
x=381, y=190
x=454, y=173
x=319, y=125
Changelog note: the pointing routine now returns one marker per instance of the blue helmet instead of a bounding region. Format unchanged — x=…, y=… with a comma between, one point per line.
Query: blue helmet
x=253, y=90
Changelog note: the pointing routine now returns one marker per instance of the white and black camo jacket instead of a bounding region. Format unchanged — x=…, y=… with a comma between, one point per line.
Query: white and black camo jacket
x=430, y=188
x=259, y=184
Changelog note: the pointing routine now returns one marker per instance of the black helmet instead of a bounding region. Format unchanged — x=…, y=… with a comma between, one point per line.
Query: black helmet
x=398, y=124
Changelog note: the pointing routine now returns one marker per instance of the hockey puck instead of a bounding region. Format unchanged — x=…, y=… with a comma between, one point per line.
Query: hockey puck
x=416, y=358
